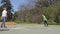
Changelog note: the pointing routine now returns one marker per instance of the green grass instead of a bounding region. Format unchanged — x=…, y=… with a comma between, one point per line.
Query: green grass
x=53, y=23
x=21, y=22
x=49, y=23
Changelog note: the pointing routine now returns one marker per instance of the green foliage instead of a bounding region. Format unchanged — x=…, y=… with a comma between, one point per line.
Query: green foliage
x=0, y=11
x=53, y=23
x=51, y=11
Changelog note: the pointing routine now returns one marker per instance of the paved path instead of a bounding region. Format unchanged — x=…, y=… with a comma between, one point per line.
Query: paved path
x=32, y=29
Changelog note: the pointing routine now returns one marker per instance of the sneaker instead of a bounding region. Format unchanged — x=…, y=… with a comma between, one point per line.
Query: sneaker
x=1, y=26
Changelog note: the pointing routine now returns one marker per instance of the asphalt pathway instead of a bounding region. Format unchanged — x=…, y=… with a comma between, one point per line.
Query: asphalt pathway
x=31, y=29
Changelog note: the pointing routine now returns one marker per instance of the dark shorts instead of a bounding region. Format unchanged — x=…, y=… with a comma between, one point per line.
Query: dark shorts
x=45, y=23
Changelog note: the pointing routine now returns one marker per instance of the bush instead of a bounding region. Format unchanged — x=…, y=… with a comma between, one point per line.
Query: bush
x=53, y=23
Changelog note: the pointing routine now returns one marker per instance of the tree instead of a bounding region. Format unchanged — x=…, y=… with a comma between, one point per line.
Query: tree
x=50, y=10
x=53, y=11
x=0, y=11
x=7, y=4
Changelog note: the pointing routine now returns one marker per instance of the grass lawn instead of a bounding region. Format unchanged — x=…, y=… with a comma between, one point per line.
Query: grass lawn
x=50, y=23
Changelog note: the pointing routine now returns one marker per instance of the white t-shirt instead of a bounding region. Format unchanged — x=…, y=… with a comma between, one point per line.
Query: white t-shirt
x=4, y=13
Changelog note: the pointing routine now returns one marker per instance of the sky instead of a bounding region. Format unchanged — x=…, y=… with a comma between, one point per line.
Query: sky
x=17, y=3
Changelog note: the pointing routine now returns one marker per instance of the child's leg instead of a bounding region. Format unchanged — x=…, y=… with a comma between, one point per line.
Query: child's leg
x=2, y=22
x=46, y=23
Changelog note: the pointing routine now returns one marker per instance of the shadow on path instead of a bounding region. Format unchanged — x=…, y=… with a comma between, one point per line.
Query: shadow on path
x=4, y=29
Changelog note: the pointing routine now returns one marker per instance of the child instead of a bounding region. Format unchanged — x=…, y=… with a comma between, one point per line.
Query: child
x=45, y=20
x=4, y=15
